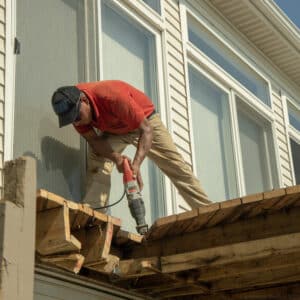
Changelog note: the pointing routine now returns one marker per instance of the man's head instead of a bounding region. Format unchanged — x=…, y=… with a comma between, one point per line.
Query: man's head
x=71, y=106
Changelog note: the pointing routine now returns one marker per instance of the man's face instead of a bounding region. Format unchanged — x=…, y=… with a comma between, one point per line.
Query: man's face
x=85, y=114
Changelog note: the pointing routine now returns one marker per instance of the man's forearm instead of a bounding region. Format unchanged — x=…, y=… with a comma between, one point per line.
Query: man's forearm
x=144, y=145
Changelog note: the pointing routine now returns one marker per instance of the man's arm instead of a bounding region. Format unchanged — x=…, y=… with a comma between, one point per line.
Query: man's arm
x=144, y=145
x=102, y=148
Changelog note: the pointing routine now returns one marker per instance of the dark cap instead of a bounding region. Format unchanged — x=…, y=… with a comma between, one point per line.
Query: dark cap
x=66, y=104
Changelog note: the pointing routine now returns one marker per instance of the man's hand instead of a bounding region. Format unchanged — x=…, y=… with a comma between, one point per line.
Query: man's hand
x=137, y=175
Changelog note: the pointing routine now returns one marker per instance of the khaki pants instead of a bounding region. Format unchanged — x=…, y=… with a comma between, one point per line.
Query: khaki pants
x=163, y=152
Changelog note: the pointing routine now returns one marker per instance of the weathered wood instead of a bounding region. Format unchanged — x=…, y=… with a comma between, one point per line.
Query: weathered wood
x=125, y=238
x=70, y=262
x=137, y=267
x=107, y=266
x=53, y=232
x=47, y=200
x=17, y=230
x=292, y=198
x=260, y=227
x=95, y=242
x=160, y=228
x=231, y=253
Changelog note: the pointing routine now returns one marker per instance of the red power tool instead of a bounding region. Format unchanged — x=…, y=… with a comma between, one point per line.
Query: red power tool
x=134, y=197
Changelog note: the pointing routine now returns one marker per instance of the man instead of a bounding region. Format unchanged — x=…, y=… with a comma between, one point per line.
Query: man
x=123, y=115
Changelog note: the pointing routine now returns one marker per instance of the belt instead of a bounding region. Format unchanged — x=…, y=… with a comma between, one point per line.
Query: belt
x=153, y=113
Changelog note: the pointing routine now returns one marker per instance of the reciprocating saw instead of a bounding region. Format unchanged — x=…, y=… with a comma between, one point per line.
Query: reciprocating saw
x=134, y=197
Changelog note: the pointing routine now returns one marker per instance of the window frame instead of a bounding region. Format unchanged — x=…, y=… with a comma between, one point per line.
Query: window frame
x=136, y=12
x=291, y=132
x=212, y=71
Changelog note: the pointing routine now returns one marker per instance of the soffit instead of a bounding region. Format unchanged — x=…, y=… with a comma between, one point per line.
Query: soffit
x=268, y=30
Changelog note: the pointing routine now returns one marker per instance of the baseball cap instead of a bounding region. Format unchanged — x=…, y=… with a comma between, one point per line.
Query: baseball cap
x=66, y=104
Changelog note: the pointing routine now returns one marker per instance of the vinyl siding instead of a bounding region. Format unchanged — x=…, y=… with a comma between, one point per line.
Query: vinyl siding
x=177, y=86
x=284, y=159
x=2, y=88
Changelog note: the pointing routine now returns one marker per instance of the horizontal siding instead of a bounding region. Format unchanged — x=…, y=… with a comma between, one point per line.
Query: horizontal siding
x=284, y=158
x=2, y=90
x=177, y=86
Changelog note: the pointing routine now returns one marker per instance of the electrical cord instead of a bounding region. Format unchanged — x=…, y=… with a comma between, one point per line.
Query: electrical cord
x=110, y=205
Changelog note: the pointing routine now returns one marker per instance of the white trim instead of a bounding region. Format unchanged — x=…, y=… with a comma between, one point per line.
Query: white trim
x=201, y=59
x=216, y=20
x=10, y=69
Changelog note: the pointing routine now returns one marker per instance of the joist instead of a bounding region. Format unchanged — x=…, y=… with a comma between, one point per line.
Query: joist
x=238, y=252
x=125, y=238
x=53, y=233
x=106, y=266
x=96, y=242
x=70, y=262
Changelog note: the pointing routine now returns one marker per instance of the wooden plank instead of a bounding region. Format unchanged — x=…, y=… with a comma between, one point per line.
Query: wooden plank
x=230, y=253
x=70, y=262
x=228, y=209
x=96, y=242
x=205, y=213
x=160, y=228
x=47, y=200
x=53, y=232
x=260, y=227
x=132, y=268
x=254, y=279
x=124, y=238
x=291, y=199
x=263, y=264
x=107, y=266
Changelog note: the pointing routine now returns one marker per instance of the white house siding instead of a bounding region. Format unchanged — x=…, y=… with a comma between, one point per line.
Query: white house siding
x=2, y=79
x=177, y=87
x=284, y=158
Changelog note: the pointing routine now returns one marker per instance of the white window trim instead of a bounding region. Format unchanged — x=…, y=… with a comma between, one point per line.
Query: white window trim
x=291, y=132
x=158, y=32
x=10, y=69
x=186, y=8
x=194, y=57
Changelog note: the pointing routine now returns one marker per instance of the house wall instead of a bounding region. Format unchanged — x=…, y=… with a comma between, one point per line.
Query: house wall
x=2, y=87
x=177, y=84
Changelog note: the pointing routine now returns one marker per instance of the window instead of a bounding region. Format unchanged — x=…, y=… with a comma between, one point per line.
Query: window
x=213, y=147
x=154, y=4
x=294, y=134
x=226, y=59
x=128, y=52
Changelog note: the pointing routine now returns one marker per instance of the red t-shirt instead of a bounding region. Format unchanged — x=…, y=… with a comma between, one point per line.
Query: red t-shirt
x=118, y=107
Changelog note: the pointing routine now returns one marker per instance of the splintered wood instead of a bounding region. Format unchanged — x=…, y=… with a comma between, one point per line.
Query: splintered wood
x=252, y=242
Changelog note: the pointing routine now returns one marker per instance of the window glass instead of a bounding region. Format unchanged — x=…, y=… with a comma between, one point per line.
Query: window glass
x=41, y=68
x=295, y=147
x=254, y=140
x=154, y=4
x=129, y=55
x=213, y=137
x=215, y=50
x=294, y=117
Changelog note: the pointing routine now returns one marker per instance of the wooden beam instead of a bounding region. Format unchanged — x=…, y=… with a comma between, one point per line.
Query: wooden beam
x=106, y=266
x=96, y=242
x=125, y=238
x=53, y=234
x=70, y=262
x=238, y=252
x=17, y=230
x=259, y=227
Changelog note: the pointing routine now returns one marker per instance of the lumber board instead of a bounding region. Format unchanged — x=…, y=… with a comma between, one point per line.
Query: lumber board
x=47, y=200
x=254, y=279
x=125, y=238
x=53, y=232
x=137, y=267
x=291, y=199
x=205, y=213
x=269, y=262
x=70, y=262
x=96, y=242
x=259, y=227
x=160, y=228
x=230, y=253
x=106, y=266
